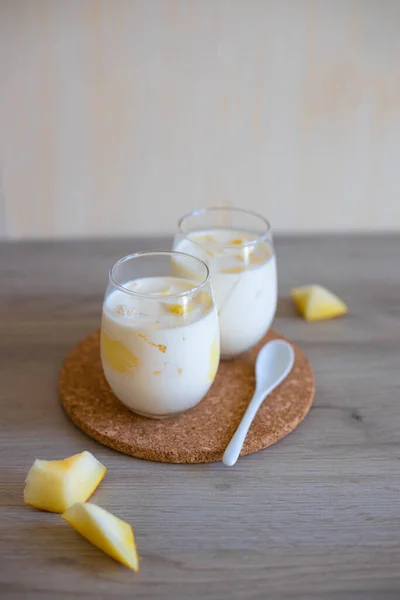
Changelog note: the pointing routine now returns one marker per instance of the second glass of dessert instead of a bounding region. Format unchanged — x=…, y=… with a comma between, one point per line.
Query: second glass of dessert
x=159, y=332
x=237, y=246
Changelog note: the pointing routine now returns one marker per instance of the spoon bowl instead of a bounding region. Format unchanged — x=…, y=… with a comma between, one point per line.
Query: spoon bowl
x=274, y=363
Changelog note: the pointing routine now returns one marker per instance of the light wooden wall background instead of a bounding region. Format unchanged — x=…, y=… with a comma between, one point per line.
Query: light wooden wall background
x=116, y=116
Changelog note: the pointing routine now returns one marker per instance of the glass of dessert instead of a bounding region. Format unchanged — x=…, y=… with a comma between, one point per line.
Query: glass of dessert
x=237, y=246
x=159, y=332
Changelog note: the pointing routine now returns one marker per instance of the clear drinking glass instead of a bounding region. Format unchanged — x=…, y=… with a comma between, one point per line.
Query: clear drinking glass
x=237, y=246
x=159, y=332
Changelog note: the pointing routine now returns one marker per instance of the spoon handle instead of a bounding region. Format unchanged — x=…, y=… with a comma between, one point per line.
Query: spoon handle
x=234, y=447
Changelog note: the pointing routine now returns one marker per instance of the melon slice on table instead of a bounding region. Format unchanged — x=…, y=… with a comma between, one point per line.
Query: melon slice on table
x=55, y=485
x=316, y=303
x=105, y=531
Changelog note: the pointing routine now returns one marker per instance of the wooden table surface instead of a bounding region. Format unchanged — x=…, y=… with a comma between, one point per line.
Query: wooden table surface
x=316, y=516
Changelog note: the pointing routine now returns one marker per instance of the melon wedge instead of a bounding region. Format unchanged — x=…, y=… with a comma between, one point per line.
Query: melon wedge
x=105, y=531
x=316, y=303
x=55, y=485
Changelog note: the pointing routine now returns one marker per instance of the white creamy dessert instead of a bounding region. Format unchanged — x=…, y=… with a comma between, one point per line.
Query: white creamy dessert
x=244, y=281
x=160, y=351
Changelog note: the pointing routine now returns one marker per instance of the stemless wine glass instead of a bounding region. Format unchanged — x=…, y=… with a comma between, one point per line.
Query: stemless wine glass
x=159, y=333
x=237, y=246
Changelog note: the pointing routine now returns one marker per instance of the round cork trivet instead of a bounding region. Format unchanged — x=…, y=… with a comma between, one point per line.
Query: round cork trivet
x=199, y=435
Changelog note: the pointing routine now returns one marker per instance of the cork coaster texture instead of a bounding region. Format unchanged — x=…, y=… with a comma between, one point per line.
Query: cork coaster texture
x=199, y=435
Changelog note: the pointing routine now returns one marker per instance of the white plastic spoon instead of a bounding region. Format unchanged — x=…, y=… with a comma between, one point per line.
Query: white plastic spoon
x=274, y=363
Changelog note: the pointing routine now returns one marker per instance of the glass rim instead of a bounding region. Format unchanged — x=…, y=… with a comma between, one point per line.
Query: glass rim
x=233, y=209
x=144, y=253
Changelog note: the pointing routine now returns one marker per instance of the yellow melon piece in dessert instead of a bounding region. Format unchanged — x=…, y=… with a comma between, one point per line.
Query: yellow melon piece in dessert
x=233, y=270
x=179, y=309
x=55, y=485
x=117, y=355
x=316, y=303
x=214, y=360
x=105, y=531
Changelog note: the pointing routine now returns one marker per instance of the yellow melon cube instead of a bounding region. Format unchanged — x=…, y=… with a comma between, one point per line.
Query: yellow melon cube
x=316, y=303
x=105, y=531
x=55, y=485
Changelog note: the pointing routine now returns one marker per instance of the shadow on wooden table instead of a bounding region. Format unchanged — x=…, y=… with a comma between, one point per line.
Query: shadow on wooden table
x=55, y=543
x=286, y=307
